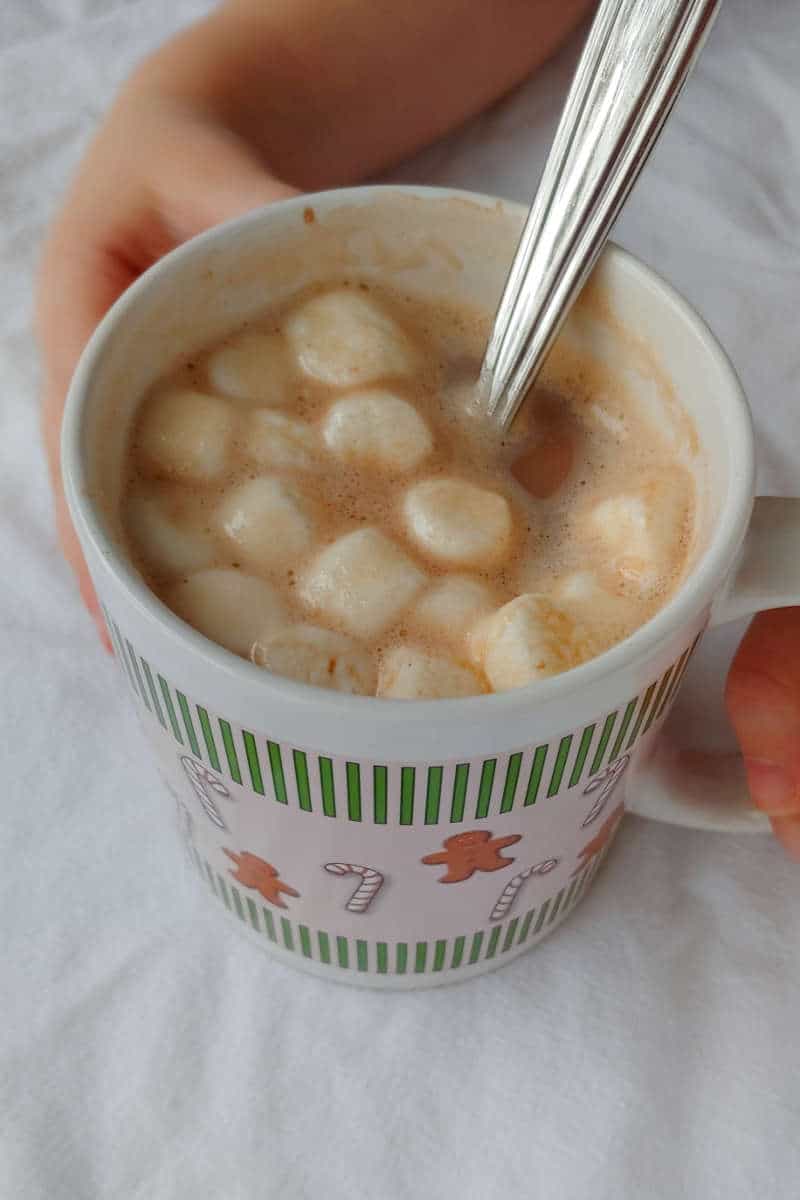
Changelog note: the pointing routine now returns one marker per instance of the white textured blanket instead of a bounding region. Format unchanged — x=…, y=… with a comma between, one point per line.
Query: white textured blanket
x=651, y=1049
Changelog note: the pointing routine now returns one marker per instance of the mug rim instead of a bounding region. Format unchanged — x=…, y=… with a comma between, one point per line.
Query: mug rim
x=692, y=596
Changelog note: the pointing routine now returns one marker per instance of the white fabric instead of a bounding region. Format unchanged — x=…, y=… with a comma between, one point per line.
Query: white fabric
x=649, y=1049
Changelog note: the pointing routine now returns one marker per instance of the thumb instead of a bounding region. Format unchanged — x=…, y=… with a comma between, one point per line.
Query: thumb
x=212, y=177
x=763, y=697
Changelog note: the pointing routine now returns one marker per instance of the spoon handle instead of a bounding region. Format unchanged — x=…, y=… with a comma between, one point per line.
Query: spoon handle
x=636, y=60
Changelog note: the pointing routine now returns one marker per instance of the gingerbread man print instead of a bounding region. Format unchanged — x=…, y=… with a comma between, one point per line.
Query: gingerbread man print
x=466, y=853
x=254, y=872
x=600, y=839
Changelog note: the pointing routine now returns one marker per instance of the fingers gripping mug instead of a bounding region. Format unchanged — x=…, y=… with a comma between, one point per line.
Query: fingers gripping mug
x=396, y=843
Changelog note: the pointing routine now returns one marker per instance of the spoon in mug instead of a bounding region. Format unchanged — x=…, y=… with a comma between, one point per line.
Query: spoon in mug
x=637, y=58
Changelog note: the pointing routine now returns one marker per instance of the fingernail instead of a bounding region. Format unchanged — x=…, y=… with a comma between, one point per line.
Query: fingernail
x=93, y=607
x=772, y=789
x=100, y=626
x=104, y=638
x=787, y=830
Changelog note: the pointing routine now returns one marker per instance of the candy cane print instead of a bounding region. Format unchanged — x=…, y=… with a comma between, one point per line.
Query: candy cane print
x=514, y=886
x=371, y=883
x=203, y=783
x=607, y=781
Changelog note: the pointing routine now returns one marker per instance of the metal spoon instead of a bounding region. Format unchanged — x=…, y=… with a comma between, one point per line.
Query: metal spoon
x=637, y=58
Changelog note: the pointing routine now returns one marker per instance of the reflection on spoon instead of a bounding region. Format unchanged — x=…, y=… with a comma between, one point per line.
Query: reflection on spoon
x=547, y=461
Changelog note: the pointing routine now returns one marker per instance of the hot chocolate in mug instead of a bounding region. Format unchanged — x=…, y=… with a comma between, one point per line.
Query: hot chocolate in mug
x=409, y=843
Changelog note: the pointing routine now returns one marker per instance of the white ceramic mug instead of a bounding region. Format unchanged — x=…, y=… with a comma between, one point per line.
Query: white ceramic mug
x=395, y=843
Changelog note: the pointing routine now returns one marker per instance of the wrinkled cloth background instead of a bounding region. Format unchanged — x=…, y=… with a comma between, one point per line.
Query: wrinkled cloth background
x=650, y=1049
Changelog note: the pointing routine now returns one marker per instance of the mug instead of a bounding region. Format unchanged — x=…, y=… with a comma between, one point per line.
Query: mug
x=408, y=843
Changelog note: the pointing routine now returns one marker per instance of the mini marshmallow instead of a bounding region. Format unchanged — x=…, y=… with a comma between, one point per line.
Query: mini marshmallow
x=252, y=367
x=604, y=617
x=268, y=522
x=168, y=539
x=640, y=531
x=611, y=422
x=584, y=597
x=317, y=656
x=185, y=435
x=463, y=398
x=407, y=673
x=344, y=339
x=457, y=522
x=527, y=639
x=228, y=606
x=453, y=605
x=377, y=428
x=362, y=582
x=272, y=439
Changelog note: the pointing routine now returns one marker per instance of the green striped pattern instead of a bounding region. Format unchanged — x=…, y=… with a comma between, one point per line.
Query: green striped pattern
x=443, y=793
x=397, y=958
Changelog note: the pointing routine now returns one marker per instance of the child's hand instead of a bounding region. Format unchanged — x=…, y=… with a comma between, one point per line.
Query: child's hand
x=764, y=705
x=158, y=172
x=325, y=91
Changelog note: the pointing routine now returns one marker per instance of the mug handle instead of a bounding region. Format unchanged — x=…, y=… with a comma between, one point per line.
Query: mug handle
x=710, y=792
